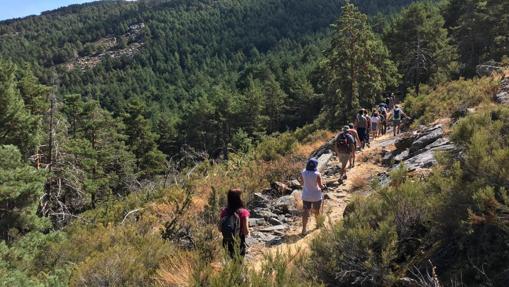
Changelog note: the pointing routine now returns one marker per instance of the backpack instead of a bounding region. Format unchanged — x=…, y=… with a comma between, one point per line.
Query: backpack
x=397, y=114
x=362, y=122
x=343, y=143
x=230, y=225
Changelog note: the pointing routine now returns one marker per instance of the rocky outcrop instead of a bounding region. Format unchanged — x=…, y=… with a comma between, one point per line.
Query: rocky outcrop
x=502, y=96
x=417, y=150
x=488, y=69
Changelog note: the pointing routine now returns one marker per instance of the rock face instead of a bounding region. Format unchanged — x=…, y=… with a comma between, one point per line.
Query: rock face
x=488, y=69
x=502, y=96
x=417, y=150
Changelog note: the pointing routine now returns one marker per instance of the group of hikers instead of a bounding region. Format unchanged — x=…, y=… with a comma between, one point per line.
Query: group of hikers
x=234, y=223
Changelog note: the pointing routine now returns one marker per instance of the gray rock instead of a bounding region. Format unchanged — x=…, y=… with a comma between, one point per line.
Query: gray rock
x=421, y=161
x=405, y=141
x=402, y=156
x=256, y=221
x=275, y=221
x=286, y=204
x=323, y=160
x=502, y=96
x=262, y=213
x=281, y=188
x=294, y=184
x=426, y=138
x=280, y=227
x=488, y=69
x=387, y=158
x=259, y=200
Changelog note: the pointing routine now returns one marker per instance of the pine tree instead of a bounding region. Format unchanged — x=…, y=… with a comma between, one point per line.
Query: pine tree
x=142, y=141
x=21, y=186
x=357, y=67
x=17, y=125
x=420, y=45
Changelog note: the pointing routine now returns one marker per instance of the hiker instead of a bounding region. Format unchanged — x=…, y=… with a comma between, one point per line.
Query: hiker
x=375, y=124
x=343, y=146
x=368, y=128
x=361, y=125
x=357, y=142
x=234, y=224
x=382, y=111
x=312, y=195
x=396, y=116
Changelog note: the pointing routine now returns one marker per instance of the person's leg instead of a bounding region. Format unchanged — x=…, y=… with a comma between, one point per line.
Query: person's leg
x=344, y=158
x=243, y=247
x=305, y=216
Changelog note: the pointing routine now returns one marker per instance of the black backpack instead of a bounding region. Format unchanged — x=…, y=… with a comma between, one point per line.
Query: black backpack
x=397, y=114
x=230, y=225
x=343, y=143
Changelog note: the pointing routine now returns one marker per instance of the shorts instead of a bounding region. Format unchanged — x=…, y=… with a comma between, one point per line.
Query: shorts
x=309, y=204
x=374, y=126
x=362, y=134
x=344, y=158
x=396, y=122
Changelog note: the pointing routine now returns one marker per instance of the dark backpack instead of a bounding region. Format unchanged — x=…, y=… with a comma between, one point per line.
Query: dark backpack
x=397, y=114
x=362, y=122
x=230, y=225
x=343, y=143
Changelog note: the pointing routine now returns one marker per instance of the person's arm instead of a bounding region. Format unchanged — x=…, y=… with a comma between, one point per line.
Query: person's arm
x=245, y=223
x=319, y=181
x=357, y=140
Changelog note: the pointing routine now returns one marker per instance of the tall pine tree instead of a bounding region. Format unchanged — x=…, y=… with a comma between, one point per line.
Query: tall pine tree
x=357, y=68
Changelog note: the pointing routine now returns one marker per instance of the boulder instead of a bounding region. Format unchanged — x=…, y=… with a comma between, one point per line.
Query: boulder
x=256, y=221
x=294, y=184
x=275, y=221
x=387, y=158
x=502, y=96
x=280, y=188
x=404, y=141
x=426, y=137
x=488, y=69
x=286, y=204
x=323, y=160
x=402, y=156
x=259, y=200
x=420, y=161
x=262, y=213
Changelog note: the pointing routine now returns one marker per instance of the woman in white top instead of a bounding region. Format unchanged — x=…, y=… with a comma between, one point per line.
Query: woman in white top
x=312, y=195
x=375, y=123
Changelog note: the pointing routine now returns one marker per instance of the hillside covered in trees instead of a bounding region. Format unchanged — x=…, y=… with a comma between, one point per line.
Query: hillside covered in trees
x=119, y=119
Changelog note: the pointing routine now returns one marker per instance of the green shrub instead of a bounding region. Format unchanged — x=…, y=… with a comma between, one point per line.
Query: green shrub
x=272, y=148
x=449, y=99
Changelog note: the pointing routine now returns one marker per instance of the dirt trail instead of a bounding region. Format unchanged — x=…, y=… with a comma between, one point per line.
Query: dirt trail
x=358, y=182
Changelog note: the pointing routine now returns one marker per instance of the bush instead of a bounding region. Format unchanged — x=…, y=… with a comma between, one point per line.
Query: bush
x=449, y=99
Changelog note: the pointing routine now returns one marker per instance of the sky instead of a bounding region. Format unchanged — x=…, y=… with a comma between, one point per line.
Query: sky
x=21, y=8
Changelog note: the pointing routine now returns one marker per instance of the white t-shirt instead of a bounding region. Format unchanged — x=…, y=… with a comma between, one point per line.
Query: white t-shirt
x=375, y=120
x=311, y=191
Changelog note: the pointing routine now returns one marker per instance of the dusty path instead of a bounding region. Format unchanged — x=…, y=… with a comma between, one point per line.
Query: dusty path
x=358, y=182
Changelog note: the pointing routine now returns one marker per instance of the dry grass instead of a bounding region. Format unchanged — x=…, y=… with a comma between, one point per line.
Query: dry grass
x=177, y=271
x=359, y=181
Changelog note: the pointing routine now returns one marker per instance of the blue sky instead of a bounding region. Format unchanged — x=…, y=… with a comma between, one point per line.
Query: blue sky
x=21, y=8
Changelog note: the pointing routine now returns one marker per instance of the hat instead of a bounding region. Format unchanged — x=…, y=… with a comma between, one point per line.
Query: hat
x=346, y=128
x=312, y=164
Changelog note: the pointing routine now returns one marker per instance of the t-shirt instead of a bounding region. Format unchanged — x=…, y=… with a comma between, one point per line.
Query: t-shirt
x=311, y=191
x=242, y=213
x=362, y=121
x=354, y=134
x=375, y=120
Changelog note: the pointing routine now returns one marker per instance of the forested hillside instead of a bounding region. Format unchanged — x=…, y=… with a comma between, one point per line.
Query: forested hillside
x=124, y=123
